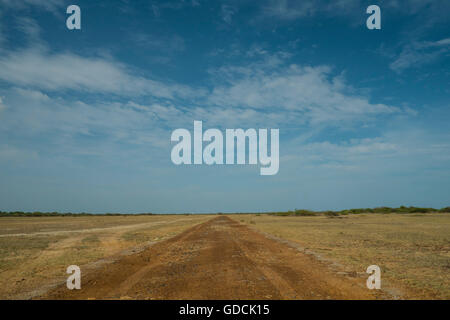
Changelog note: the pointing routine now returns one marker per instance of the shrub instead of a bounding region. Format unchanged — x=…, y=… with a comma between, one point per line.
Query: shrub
x=305, y=213
x=282, y=214
x=383, y=210
x=421, y=210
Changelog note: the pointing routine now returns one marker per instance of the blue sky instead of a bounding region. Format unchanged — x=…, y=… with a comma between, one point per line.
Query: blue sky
x=86, y=115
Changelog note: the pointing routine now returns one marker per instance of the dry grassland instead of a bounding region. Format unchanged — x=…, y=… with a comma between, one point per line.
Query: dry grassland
x=35, y=251
x=412, y=250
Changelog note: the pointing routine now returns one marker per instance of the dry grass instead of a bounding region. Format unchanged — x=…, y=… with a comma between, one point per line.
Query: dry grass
x=412, y=250
x=35, y=252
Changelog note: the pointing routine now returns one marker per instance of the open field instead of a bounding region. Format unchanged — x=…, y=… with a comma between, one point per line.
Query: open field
x=412, y=250
x=219, y=259
x=35, y=252
x=226, y=257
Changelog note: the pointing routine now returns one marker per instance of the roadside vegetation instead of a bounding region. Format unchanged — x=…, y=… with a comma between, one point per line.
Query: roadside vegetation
x=296, y=212
x=384, y=210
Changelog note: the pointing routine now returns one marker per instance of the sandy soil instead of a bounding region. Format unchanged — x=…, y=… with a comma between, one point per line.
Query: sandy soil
x=35, y=252
x=218, y=259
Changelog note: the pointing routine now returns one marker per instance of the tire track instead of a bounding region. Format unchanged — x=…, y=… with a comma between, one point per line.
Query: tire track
x=218, y=259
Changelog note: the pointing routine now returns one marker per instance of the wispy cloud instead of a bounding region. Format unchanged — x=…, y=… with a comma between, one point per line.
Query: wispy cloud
x=265, y=93
x=50, y=5
x=312, y=94
x=425, y=13
x=420, y=53
x=16, y=155
x=66, y=71
x=291, y=9
x=409, y=151
x=158, y=7
x=30, y=28
x=227, y=13
x=167, y=44
x=2, y=105
x=66, y=122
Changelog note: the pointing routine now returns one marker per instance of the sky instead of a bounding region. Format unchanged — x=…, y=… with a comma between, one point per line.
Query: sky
x=86, y=115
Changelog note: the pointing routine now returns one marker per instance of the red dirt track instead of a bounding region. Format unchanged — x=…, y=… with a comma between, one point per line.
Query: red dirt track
x=219, y=259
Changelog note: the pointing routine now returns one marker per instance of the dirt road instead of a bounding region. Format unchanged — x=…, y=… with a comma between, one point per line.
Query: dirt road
x=219, y=259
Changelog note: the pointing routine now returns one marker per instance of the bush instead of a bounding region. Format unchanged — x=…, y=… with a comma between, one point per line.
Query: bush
x=421, y=210
x=383, y=210
x=305, y=213
x=283, y=214
x=404, y=209
x=331, y=213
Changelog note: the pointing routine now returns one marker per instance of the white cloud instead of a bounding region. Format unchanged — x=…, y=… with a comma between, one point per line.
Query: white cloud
x=39, y=69
x=16, y=155
x=267, y=90
x=172, y=5
x=291, y=9
x=423, y=15
x=132, y=123
x=50, y=5
x=441, y=43
x=394, y=152
x=169, y=44
x=309, y=94
x=2, y=105
x=64, y=123
x=285, y=9
x=419, y=53
x=156, y=11
x=227, y=13
x=30, y=28
x=2, y=36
